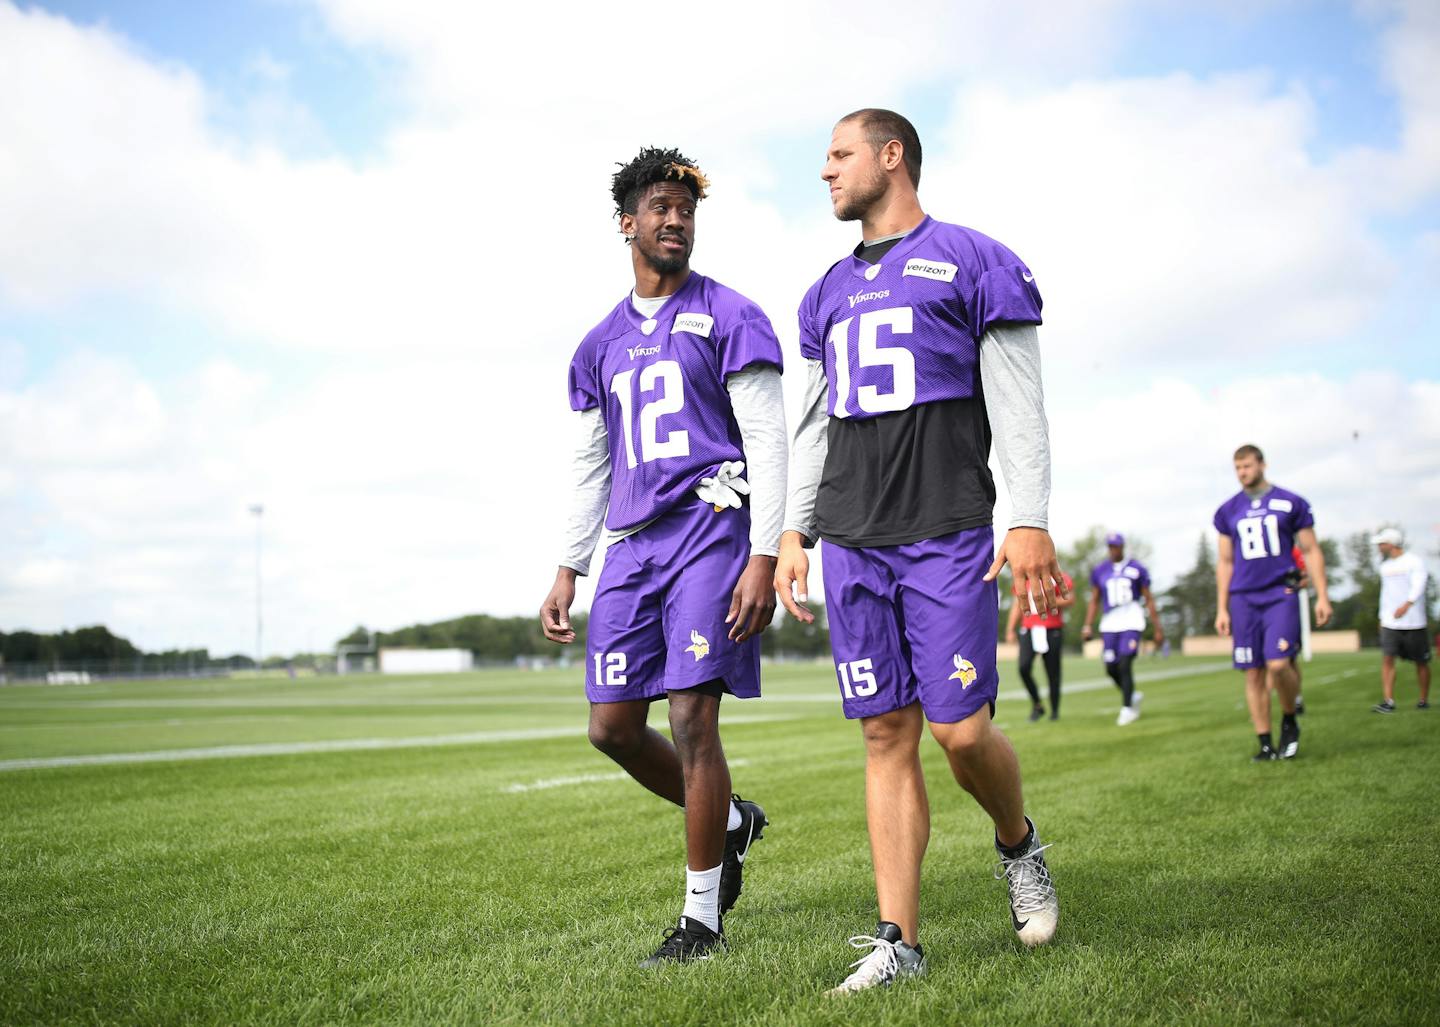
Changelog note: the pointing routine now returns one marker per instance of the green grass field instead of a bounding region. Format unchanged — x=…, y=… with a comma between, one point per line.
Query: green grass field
x=495, y=869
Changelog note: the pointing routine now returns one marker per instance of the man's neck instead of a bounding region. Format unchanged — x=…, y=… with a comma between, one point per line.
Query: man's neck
x=1258, y=489
x=895, y=215
x=650, y=283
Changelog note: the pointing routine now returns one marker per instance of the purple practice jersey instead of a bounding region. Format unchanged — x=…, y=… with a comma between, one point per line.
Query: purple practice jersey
x=907, y=330
x=1263, y=531
x=1119, y=583
x=660, y=385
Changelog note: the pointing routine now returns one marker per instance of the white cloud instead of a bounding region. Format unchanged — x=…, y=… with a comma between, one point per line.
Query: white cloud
x=448, y=278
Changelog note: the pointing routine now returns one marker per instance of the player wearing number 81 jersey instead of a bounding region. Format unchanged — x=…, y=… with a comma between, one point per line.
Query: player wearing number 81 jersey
x=1255, y=583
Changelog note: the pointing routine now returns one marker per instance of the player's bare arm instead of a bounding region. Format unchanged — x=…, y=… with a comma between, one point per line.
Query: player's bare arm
x=1224, y=571
x=1030, y=552
x=792, y=574
x=1154, y=614
x=752, y=606
x=1013, y=621
x=555, y=611
x=1086, y=631
x=1315, y=567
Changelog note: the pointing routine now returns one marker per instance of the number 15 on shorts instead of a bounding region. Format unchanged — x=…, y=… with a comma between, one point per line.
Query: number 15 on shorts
x=857, y=678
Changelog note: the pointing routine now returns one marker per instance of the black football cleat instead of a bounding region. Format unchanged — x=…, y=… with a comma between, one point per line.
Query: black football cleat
x=737, y=848
x=1289, y=740
x=1265, y=755
x=686, y=942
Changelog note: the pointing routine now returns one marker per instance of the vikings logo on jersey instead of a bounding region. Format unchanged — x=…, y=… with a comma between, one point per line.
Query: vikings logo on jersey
x=907, y=330
x=659, y=383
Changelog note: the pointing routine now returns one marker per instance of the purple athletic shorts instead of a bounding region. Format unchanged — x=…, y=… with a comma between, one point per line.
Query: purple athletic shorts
x=658, y=620
x=1117, y=645
x=1264, y=626
x=914, y=622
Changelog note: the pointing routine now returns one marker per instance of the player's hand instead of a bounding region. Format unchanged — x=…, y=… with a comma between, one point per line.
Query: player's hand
x=752, y=606
x=1401, y=610
x=1222, y=620
x=1031, y=556
x=555, y=611
x=1159, y=635
x=791, y=571
x=1086, y=634
x=1322, y=612
x=1010, y=635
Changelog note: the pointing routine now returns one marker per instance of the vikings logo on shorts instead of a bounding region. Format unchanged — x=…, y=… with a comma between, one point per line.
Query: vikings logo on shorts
x=1284, y=645
x=965, y=671
x=1134, y=643
x=700, y=645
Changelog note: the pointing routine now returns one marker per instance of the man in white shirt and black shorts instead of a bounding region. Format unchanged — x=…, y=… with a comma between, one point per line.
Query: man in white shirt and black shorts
x=1403, y=632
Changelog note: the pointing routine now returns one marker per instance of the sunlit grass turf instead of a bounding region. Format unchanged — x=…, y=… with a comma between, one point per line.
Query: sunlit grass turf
x=412, y=885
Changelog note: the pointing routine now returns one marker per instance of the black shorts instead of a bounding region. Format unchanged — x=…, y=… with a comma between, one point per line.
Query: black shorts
x=1411, y=644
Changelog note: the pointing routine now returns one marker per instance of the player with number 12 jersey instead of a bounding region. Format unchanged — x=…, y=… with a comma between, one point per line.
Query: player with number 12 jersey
x=677, y=391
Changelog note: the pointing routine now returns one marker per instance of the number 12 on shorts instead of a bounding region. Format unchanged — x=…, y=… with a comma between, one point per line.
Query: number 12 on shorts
x=857, y=678
x=610, y=669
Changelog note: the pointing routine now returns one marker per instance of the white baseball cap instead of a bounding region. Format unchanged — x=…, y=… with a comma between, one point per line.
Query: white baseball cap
x=1388, y=537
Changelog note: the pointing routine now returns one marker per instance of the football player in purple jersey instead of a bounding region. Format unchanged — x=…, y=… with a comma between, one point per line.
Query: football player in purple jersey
x=920, y=347
x=678, y=395
x=1118, y=587
x=1255, y=583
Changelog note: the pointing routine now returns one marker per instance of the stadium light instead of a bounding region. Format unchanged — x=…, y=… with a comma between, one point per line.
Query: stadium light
x=258, y=509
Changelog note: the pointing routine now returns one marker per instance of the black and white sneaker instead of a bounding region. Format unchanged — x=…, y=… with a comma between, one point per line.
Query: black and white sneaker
x=1289, y=740
x=737, y=847
x=888, y=960
x=1036, y=712
x=686, y=942
x=1034, y=907
x=1423, y=704
x=1265, y=755
x=1383, y=707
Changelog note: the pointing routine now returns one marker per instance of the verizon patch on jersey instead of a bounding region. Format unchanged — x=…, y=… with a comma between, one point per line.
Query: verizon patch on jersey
x=936, y=269
x=695, y=324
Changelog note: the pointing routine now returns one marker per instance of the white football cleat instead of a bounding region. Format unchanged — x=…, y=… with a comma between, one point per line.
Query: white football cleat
x=1034, y=907
x=1128, y=715
x=888, y=960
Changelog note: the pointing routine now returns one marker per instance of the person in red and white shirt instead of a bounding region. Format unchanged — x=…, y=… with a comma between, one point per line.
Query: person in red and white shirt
x=1041, y=633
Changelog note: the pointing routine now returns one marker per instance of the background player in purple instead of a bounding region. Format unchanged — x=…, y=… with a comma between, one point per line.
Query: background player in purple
x=1119, y=586
x=1255, y=583
x=678, y=391
x=889, y=467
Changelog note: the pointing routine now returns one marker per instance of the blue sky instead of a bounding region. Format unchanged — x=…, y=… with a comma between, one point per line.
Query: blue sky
x=287, y=252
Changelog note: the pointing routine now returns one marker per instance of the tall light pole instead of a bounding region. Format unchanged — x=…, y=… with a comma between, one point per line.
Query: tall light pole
x=258, y=510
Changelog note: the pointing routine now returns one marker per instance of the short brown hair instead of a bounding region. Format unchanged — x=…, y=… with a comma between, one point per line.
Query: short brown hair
x=881, y=126
x=1249, y=450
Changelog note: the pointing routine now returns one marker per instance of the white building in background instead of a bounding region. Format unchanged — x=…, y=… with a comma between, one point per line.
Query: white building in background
x=425, y=661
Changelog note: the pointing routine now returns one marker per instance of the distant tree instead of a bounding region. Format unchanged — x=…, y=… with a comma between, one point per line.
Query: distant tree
x=787, y=636
x=1188, y=606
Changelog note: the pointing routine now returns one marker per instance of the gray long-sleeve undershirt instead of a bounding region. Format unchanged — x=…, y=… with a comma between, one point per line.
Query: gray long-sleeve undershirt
x=1014, y=404
x=759, y=408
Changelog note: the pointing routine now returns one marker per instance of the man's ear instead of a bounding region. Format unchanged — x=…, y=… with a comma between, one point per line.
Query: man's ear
x=627, y=225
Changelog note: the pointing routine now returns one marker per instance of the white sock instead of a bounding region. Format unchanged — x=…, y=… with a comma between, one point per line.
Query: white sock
x=734, y=820
x=702, y=896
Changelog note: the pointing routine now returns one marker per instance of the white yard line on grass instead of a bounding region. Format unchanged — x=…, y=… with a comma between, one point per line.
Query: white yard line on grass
x=303, y=748
x=581, y=779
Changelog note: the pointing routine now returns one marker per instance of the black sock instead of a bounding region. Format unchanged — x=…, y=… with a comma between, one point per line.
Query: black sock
x=1288, y=720
x=1265, y=740
x=1011, y=851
